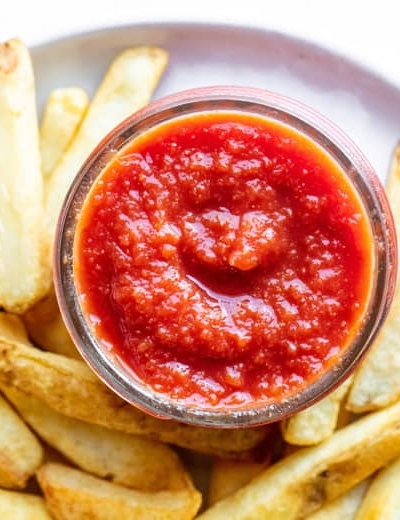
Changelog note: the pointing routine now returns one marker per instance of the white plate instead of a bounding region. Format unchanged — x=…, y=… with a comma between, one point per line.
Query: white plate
x=364, y=105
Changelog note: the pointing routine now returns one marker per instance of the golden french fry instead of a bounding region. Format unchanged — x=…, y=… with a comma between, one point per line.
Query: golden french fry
x=297, y=485
x=63, y=113
x=69, y=387
x=22, y=506
x=382, y=500
x=12, y=328
x=24, y=258
x=227, y=476
x=345, y=507
x=20, y=452
x=46, y=327
x=126, y=87
x=316, y=423
x=376, y=382
x=70, y=493
x=129, y=460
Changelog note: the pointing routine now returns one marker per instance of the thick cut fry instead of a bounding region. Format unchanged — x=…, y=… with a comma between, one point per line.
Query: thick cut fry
x=70, y=388
x=316, y=423
x=72, y=494
x=128, y=460
x=22, y=506
x=126, y=87
x=382, y=500
x=299, y=484
x=20, y=452
x=227, y=476
x=46, y=327
x=345, y=507
x=63, y=113
x=24, y=258
x=377, y=382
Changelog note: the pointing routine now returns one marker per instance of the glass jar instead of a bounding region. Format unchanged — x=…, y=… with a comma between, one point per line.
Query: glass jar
x=107, y=362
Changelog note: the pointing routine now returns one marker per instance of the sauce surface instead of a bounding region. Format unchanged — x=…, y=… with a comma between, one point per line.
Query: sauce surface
x=225, y=258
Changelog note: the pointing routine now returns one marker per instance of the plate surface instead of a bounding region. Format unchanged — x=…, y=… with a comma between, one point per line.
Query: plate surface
x=363, y=104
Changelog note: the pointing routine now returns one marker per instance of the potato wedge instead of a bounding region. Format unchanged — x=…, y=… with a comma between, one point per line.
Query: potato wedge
x=62, y=116
x=20, y=452
x=316, y=423
x=345, y=507
x=46, y=327
x=129, y=460
x=22, y=506
x=69, y=387
x=376, y=382
x=382, y=500
x=126, y=87
x=24, y=258
x=227, y=476
x=300, y=483
x=73, y=494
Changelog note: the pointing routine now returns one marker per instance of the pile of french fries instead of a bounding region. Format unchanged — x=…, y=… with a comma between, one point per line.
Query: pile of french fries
x=69, y=447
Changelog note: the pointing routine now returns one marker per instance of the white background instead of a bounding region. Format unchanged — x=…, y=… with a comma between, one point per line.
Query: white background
x=366, y=31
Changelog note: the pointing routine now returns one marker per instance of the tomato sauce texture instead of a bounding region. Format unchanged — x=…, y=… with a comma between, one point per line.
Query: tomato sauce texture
x=225, y=258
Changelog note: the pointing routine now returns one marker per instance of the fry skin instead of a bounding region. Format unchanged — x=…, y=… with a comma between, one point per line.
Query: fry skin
x=300, y=483
x=20, y=452
x=127, y=86
x=316, y=423
x=382, y=500
x=12, y=328
x=24, y=250
x=22, y=506
x=46, y=328
x=376, y=381
x=70, y=388
x=227, y=476
x=129, y=460
x=345, y=507
x=62, y=115
x=73, y=494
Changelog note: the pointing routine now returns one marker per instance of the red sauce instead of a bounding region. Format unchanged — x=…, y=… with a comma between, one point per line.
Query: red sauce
x=225, y=258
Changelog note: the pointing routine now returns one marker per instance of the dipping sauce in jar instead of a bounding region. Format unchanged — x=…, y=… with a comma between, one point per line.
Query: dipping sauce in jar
x=225, y=260
x=225, y=257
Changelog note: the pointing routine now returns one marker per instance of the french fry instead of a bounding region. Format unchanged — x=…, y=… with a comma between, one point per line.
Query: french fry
x=46, y=327
x=382, y=500
x=63, y=113
x=70, y=493
x=69, y=387
x=316, y=423
x=20, y=452
x=300, y=483
x=376, y=382
x=24, y=258
x=227, y=476
x=129, y=460
x=126, y=87
x=12, y=328
x=345, y=507
x=22, y=506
